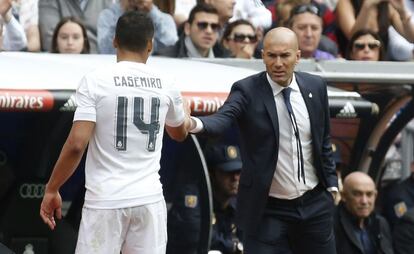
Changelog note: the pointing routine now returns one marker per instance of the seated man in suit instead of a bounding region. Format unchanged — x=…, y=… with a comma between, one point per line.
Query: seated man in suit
x=358, y=229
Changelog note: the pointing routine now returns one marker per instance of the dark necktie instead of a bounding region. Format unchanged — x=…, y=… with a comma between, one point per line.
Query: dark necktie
x=286, y=97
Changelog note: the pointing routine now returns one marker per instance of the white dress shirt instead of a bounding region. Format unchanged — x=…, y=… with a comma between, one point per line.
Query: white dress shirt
x=285, y=183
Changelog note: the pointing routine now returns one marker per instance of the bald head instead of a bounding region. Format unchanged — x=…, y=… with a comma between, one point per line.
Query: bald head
x=281, y=35
x=356, y=179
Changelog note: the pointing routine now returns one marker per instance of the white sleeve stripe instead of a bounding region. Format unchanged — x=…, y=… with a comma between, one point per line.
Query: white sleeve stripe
x=84, y=116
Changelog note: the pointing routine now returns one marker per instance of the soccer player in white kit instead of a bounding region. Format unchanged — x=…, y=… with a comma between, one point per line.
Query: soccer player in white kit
x=122, y=111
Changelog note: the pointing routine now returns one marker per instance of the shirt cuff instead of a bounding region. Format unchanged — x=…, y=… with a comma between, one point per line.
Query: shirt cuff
x=198, y=125
x=333, y=189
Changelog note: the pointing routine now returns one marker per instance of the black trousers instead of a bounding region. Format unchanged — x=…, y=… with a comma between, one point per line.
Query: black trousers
x=299, y=226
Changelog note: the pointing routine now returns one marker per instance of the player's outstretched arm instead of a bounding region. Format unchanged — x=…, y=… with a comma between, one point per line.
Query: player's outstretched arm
x=69, y=159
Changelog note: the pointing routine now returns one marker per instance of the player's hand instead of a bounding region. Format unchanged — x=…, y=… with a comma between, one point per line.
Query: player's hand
x=50, y=208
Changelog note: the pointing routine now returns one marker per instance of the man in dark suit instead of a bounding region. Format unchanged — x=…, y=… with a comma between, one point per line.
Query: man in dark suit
x=284, y=203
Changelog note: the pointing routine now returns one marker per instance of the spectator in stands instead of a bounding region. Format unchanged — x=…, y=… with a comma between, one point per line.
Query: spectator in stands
x=200, y=35
x=52, y=11
x=182, y=10
x=240, y=39
x=358, y=229
x=70, y=37
x=403, y=234
x=225, y=10
x=399, y=49
x=165, y=29
x=328, y=38
x=365, y=45
x=306, y=22
x=284, y=7
x=27, y=13
x=253, y=11
x=377, y=15
x=12, y=34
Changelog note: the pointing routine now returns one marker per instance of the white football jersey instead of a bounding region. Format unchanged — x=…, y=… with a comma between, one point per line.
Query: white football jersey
x=130, y=104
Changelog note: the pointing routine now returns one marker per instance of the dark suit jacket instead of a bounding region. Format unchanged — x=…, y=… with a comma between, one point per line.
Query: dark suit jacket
x=347, y=241
x=252, y=105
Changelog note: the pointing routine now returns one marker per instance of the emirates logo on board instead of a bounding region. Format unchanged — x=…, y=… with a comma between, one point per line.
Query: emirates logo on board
x=25, y=100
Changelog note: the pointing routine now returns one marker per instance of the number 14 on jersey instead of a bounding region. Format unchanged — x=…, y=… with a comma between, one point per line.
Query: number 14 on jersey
x=150, y=129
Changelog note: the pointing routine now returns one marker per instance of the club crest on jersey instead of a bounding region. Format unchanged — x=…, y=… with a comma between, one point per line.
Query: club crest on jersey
x=190, y=201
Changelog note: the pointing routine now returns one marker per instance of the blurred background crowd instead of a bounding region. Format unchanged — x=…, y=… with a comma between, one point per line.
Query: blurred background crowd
x=374, y=30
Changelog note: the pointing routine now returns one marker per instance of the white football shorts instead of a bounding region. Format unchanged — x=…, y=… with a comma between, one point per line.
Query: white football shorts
x=141, y=229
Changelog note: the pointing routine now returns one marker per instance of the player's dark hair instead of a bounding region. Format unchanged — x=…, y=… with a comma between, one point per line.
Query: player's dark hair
x=134, y=30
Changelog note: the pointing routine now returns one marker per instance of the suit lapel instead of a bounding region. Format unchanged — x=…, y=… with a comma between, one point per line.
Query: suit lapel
x=267, y=94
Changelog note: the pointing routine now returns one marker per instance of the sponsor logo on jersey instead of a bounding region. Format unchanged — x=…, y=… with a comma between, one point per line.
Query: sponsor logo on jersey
x=25, y=100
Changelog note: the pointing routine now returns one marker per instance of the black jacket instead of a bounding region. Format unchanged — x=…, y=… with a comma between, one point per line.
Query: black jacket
x=348, y=243
x=404, y=234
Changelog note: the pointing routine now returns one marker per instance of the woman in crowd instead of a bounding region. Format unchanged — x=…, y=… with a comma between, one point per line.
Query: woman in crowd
x=69, y=37
x=366, y=45
x=377, y=15
x=240, y=39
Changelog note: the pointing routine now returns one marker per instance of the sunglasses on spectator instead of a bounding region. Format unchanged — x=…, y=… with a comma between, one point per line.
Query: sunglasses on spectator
x=363, y=45
x=203, y=26
x=306, y=8
x=242, y=37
